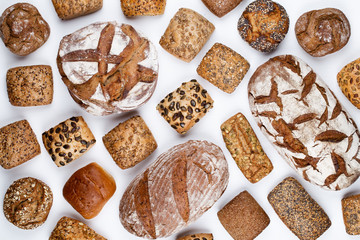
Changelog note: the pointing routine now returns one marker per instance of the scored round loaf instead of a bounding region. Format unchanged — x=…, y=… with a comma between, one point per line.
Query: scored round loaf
x=108, y=67
x=305, y=121
x=175, y=190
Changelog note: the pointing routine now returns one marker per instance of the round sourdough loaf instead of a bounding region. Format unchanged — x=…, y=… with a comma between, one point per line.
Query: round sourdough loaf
x=305, y=121
x=108, y=67
x=175, y=190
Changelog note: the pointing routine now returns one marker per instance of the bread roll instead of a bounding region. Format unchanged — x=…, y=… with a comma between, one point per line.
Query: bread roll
x=175, y=190
x=306, y=123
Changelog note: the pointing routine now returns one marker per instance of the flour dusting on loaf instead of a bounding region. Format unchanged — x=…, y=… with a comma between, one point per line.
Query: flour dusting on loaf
x=306, y=123
x=180, y=186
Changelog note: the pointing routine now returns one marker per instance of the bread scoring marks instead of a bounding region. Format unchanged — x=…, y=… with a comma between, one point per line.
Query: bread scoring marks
x=114, y=57
x=310, y=129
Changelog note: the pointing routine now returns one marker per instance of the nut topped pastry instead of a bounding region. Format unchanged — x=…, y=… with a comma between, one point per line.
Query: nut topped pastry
x=108, y=67
x=69, y=9
x=263, y=25
x=18, y=144
x=322, y=32
x=185, y=106
x=186, y=34
x=130, y=142
x=23, y=29
x=68, y=140
x=133, y=8
x=27, y=203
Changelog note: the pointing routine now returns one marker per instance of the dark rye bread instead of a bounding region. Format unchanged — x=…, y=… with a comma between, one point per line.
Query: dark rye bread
x=305, y=121
x=175, y=190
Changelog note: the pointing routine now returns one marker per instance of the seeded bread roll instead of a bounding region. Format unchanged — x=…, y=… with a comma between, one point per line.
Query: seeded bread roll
x=298, y=210
x=243, y=217
x=71, y=229
x=349, y=82
x=23, y=29
x=68, y=140
x=351, y=214
x=130, y=142
x=245, y=148
x=199, y=236
x=18, y=144
x=89, y=189
x=187, y=33
x=27, y=203
x=223, y=67
x=30, y=85
x=133, y=8
x=185, y=106
x=221, y=7
x=68, y=9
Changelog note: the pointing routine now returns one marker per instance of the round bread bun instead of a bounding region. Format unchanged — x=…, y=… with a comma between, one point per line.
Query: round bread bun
x=108, y=67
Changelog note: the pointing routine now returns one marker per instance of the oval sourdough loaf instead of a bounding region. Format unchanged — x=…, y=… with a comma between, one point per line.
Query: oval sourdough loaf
x=175, y=190
x=306, y=123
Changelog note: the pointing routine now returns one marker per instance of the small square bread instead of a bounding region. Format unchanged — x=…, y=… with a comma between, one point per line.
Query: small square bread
x=298, y=211
x=185, y=106
x=130, y=142
x=221, y=7
x=199, y=236
x=351, y=214
x=243, y=217
x=133, y=8
x=68, y=9
x=30, y=85
x=89, y=189
x=223, y=67
x=186, y=34
x=18, y=144
x=245, y=148
x=68, y=140
x=69, y=229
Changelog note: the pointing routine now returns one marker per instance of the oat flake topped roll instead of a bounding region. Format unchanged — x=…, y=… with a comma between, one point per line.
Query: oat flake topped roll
x=108, y=67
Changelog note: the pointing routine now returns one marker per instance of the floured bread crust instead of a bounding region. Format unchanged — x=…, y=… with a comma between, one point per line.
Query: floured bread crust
x=108, y=67
x=304, y=120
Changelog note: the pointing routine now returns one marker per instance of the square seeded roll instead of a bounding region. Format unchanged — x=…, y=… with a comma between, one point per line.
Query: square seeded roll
x=130, y=142
x=68, y=9
x=68, y=140
x=185, y=106
x=351, y=214
x=186, y=34
x=223, y=67
x=199, y=236
x=298, y=211
x=221, y=7
x=18, y=144
x=245, y=148
x=133, y=8
x=69, y=229
x=30, y=85
x=243, y=217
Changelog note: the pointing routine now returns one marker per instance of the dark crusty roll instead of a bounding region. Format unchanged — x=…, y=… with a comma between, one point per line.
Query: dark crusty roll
x=88, y=190
x=175, y=190
x=305, y=121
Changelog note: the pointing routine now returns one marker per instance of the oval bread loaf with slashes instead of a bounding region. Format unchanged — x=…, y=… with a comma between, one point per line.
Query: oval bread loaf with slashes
x=306, y=123
x=175, y=190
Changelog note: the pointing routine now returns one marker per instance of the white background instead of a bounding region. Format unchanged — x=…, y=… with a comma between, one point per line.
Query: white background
x=172, y=73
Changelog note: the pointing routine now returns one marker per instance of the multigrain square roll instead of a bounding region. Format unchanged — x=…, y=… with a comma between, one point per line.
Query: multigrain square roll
x=18, y=144
x=30, y=85
x=69, y=229
x=186, y=34
x=243, y=217
x=351, y=214
x=199, y=236
x=185, y=106
x=68, y=140
x=89, y=189
x=68, y=9
x=133, y=8
x=245, y=148
x=298, y=211
x=223, y=67
x=221, y=7
x=130, y=142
